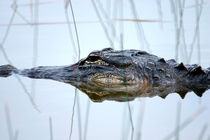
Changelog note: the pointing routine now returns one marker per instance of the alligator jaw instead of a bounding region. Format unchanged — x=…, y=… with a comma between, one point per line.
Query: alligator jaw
x=108, y=80
x=104, y=78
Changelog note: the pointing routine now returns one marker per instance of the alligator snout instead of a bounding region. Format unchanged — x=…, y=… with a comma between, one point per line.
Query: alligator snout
x=6, y=70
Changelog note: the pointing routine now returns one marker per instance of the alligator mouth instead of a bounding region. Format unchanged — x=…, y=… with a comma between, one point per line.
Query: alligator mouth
x=108, y=80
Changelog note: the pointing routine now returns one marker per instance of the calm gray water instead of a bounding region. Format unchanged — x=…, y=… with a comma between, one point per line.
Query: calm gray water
x=154, y=117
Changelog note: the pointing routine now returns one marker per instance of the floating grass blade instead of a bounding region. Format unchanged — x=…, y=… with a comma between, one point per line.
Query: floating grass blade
x=140, y=20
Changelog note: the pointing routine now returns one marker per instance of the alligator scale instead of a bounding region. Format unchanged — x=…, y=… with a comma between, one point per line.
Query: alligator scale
x=123, y=75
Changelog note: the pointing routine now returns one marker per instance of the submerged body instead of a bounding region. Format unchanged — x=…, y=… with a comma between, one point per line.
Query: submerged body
x=123, y=75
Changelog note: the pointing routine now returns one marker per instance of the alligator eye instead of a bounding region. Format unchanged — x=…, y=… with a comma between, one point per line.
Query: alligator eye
x=93, y=58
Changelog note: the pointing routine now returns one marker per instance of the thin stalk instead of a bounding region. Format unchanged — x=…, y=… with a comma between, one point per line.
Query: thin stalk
x=198, y=33
x=197, y=28
x=127, y=123
x=184, y=44
x=9, y=123
x=76, y=92
x=131, y=121
x=140, y=120
x=51, y=128
x=72, y=115
x=178, y=118
x=180, y=22
x=121, y=26
x=160, y=13
x=117, y=8
x=75, y=27
x=27, y=93
x=181, y=27
x=122, y=47
x=16, y=135
x=109, y=23
x=108, y=7
x=10, y=62
x=128, y=103
x=20, y=81
x=139, y=28
x=174, y=12
x=31, y=10
x=35, y=45
x=102, y=24
x=33, y=3
x=70, y=31
x=186, y=122
x=9, y=25
x=86, y=119
x=203, y=132
x=82, y=22
x=177, y=9
x=124, y=115
x=79, y=116
x=21, y=16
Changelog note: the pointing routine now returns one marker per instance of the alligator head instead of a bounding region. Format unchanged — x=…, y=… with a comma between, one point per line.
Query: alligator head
x=107, y=73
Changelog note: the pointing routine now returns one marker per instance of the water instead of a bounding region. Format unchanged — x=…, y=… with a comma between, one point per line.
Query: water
x=107, y=120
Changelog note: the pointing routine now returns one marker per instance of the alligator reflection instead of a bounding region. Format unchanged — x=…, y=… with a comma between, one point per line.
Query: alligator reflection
x=123, y=75
x=97, y=94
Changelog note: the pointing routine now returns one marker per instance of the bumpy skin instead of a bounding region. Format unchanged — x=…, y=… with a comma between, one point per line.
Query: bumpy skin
x=123, y=75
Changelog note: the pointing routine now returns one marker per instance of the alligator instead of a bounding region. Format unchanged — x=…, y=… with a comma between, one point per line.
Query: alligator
x=123, y=75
